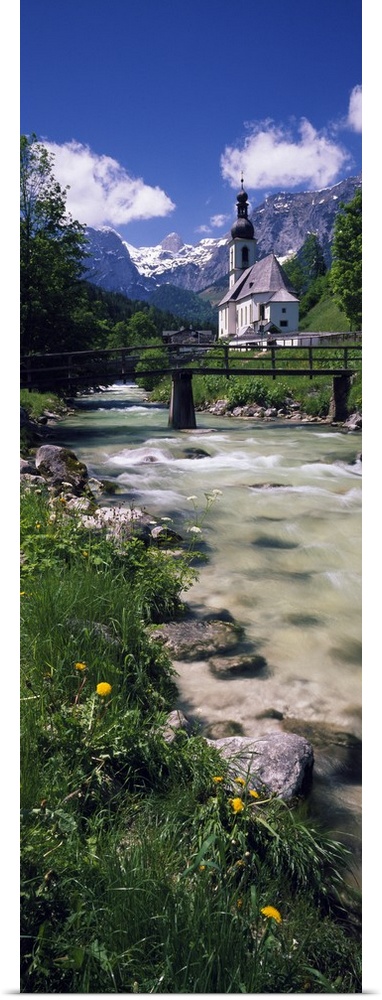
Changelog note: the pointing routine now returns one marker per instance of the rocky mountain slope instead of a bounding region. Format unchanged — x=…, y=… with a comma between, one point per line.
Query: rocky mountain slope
x=282, y=223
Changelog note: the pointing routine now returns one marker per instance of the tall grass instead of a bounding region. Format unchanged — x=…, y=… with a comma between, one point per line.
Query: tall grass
x=145, y=867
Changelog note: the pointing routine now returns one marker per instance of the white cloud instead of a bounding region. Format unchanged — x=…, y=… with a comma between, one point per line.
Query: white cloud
x=101, y=192
x=215, y=222
x=354, y=119
x=272, y=157
x=219, y=220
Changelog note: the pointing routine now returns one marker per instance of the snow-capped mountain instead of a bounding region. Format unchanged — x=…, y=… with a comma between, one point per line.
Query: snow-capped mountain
x=163, y=261
x=281, y=223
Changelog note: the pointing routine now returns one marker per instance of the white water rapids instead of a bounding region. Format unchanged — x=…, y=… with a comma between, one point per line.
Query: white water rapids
x=283, y=546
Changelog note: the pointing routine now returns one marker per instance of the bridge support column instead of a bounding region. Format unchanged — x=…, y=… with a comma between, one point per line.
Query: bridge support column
x=182, y=410
x=339, y=402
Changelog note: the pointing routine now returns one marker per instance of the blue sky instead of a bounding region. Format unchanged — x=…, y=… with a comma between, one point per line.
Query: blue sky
x=152, y=108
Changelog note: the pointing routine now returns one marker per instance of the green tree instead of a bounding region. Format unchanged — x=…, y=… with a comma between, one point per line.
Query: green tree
x=312, y=260
x=52, y=249
x=294, y=271
x=346, y=270
x=307, y=265
x=141, y=329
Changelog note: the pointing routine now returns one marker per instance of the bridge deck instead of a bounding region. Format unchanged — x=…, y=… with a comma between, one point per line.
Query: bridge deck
x=104, y=366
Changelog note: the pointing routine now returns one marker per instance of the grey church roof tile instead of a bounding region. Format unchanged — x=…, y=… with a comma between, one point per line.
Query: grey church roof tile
x=266, y=275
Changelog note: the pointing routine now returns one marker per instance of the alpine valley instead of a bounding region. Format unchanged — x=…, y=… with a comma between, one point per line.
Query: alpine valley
x=281, y=223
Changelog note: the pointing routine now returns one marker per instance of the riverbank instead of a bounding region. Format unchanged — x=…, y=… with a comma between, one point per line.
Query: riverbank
x=40, y=412
x=113, y=811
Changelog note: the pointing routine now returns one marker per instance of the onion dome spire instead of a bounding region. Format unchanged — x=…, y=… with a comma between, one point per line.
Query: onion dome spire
x=243, y=227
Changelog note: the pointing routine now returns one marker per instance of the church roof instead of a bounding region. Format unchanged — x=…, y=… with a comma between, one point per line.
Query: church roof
x=266, y=276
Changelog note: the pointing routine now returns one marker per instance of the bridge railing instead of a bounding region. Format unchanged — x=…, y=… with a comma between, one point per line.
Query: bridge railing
x=88, y=369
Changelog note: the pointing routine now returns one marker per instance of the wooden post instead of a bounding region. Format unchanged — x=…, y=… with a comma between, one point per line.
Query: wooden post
x=182, y=410
x=338, y=410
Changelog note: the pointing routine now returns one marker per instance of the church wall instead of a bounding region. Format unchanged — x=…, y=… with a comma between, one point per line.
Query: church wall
x=284, y=315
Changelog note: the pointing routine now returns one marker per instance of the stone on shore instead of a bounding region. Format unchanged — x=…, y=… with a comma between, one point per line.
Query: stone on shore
x=278, y=764
x=61, y=466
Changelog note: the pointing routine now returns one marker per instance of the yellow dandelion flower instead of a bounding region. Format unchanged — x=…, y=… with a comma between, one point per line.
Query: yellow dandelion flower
x=271, y=912
x=80, y=666
x=103, y=689
x=255, y=795
x=237, y=805
x=240, y=781
x=217, y=779
x=239, y=904
x=202, y=868
x=62, y=500
x=38, y=525
x=85, y=554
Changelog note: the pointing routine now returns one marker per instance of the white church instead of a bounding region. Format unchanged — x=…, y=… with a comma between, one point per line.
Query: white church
x=260, y=302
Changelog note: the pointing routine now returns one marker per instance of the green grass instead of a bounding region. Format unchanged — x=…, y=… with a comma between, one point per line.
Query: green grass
x=325, y=317
x=36, y=403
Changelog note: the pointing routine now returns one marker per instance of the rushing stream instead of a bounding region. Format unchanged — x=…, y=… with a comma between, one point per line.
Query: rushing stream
x=283, y=546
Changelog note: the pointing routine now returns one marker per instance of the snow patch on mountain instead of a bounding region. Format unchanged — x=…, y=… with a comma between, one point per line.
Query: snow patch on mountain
x=172, y=253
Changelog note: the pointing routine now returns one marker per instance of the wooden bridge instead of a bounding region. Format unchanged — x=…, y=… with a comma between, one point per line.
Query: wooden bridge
x=81, y=370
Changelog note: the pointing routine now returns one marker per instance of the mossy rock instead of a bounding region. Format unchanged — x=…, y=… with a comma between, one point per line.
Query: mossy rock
x=198, y=640
x=238, y=666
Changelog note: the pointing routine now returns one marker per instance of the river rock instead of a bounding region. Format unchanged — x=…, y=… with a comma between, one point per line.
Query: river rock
x=338, y=753
x=268, y=486
x=222, y=729
x=164, y=536
x=176, y=722
x=197, y=640
x=195, y=453
x=27, y=467
x=278, y=763
x=353, y=423
x=61, y=466
x=237, y=666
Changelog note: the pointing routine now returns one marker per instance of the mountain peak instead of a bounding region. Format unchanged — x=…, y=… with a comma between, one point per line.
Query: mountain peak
x=172, y=243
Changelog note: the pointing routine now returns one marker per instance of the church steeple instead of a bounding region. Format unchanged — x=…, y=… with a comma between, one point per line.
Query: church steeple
x=242, y=250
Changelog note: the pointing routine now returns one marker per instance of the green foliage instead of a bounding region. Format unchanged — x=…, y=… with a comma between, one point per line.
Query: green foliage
x=317, y=289
x=313, y=394
x=157, y=358
x=184, y=303
x=312, y=259
x=305, y=267
x=325, y=315
x=346, y=270
x=36, y=403
x=52, y=250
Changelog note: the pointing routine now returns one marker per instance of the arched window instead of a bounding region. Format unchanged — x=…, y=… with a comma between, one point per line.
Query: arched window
x=244, y=257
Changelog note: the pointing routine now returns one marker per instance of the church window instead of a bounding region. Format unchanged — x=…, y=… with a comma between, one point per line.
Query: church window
x=283, y=322
x=244, y=257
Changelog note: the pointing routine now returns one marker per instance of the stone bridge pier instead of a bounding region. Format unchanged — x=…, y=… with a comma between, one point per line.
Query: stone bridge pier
x=182, y=410
x=338, y=410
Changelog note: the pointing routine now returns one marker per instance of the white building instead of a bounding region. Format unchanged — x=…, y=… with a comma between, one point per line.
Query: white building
x=260, y=300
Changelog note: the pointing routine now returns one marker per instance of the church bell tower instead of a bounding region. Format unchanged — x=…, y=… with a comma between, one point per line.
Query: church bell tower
x=242, y=246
